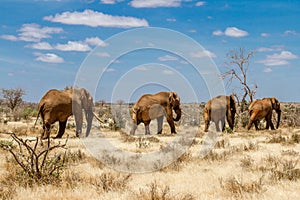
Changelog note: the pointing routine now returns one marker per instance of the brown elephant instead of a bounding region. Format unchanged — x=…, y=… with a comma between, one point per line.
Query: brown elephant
x=263, y=108
x=156, y=106
x=217, y=108
x=58, y=105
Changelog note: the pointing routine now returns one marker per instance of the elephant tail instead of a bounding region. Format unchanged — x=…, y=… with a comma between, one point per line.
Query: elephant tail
x=37, y=117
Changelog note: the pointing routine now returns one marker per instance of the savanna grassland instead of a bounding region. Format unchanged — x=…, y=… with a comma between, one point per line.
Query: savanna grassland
x=237, y=164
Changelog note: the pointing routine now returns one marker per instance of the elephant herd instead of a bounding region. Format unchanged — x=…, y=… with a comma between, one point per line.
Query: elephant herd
x=58, y=105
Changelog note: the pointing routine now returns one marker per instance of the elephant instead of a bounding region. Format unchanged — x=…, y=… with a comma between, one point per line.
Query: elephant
x=263, y=108
x=217, y=108
x=156, y=106
x=57, y=105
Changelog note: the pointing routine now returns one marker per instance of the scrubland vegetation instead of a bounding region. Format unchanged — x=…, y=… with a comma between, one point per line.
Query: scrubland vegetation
x=241, y=165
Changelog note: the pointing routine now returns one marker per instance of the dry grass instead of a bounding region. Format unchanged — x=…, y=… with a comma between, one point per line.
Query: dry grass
x=238, y=166
x=155, y=191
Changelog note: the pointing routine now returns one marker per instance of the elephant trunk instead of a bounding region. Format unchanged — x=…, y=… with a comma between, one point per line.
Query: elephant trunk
x=89, y=118
x=278, y=118
x=178, y=113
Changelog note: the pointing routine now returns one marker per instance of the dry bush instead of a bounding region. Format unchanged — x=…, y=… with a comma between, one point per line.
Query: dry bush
x=34, y=164
x=246, y=162
x=155, y=191
x=238, y=187
x=280, y=168
x=286, y=170
x=285, y=140
x=112, y=181
x=178, y=163
x=130, y=139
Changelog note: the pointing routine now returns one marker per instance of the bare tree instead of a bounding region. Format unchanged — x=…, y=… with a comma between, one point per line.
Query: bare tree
x=238, y=66
x=13, y=97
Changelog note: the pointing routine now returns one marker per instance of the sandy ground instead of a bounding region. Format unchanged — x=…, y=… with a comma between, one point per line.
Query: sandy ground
x=202, y=165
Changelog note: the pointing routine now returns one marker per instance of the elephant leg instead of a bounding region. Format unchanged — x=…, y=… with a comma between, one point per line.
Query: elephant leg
x=171, y=124
x=217, y=124
x=62, y=127
x=133, y=129
x=269, y=121
x=256, y=125
x=147, y=128
x=46, y=132
x=159, y=124
x=251, y=121
x=206, y=125
x=223, y=124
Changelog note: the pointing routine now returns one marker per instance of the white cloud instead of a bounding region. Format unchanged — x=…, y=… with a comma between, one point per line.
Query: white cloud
x=95, y=19
x=48, y=58
x=264, y=49
x=102, y=54
x=155, y=3
x=202, y=54
x=167, y=58
x=267, y=70
x=278, y=59
x=235, y=32
x=272, y=48
x=231, y=32
x=218, y=33
x=9, y=37
x=34, y=32
x=264, y=34
x=167, y=72
x=73, y=46
x=290, y=32
x=95, y=41
x=171, y=20
x=200, y=3
x=142, y=68
x=40, y=46
x=108, y=1
x=110, y=70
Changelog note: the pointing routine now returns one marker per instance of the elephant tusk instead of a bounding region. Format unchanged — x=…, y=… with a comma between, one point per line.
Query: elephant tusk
x=100, y=120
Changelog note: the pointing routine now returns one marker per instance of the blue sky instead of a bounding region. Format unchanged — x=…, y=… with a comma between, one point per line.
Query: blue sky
x=44, y=43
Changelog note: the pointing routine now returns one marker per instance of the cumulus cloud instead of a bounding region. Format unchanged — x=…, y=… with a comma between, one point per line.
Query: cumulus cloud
x=231, y=32
x=40, y=46
x=200, y=3
x=73, y=46
x=48, y=58
x=110, y=1
x=218, y=33
x=95, y=41
x=9, y=37
x=155, y=3
x=278, y=59
x=167, y=58
x=267, y=70
x=34, y=32
x=264, y=34
x=167, y=72
x=95, y=19
x=235, y=32
x=290, y=32
x=202, y=54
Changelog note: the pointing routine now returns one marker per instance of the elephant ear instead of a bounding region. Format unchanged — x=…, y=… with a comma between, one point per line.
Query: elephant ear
x=232, y=102
x=86, y=98
x=173, y=97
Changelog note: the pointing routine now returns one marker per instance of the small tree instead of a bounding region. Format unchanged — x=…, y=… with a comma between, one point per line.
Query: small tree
x=13, y=97
x=238, y=67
